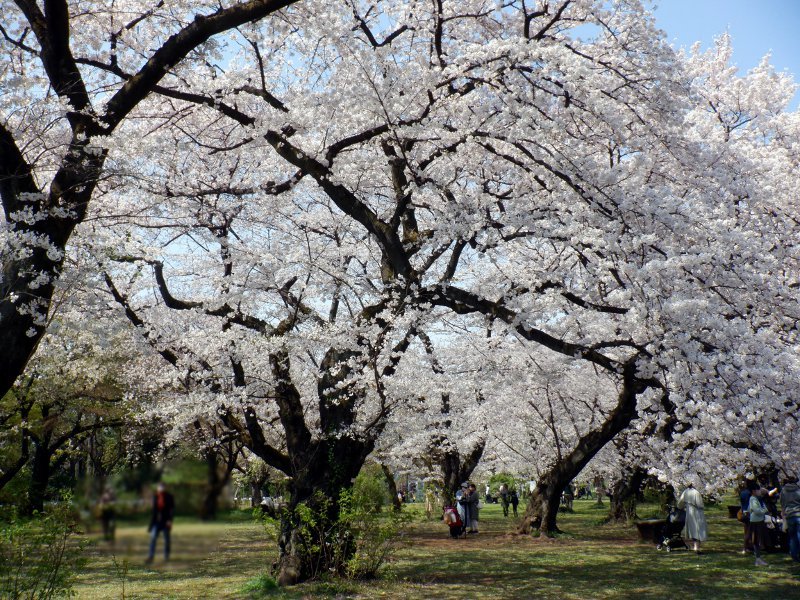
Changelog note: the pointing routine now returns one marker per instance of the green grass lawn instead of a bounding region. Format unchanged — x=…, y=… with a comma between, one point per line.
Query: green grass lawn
x=589, y=560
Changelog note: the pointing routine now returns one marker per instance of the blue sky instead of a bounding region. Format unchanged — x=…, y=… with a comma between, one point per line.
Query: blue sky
x=756, y=26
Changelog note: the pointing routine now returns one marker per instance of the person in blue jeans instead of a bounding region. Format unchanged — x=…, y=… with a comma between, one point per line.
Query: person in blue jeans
x=161, y=520
x=790, y=508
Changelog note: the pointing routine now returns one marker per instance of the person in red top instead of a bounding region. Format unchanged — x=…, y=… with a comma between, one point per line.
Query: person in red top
x=161, y=520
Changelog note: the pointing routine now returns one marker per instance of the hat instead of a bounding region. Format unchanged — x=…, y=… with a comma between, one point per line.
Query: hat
x=464, y=485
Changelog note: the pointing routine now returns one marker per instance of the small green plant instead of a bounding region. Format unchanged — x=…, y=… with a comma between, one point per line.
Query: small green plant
x=38, y=556
x=261, y=586
x=121, y=571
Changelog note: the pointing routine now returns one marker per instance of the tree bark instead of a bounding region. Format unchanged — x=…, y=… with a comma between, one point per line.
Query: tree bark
x=542, y=510
x=623, y=496
x=457, y=469
x=40, y=478
x=214, y=487
x=312, y=540
x=390, y=482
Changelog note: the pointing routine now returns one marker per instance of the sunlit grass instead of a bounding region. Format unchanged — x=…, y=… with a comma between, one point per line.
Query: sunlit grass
x=225, y=560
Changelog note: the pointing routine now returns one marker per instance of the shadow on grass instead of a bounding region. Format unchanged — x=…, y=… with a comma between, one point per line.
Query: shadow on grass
x=229, y=560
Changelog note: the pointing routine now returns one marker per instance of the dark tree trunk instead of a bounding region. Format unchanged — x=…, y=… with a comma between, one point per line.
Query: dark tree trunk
x=214, y=487
x=542, y=510
x=321, y=469
x=255, y=493
x=390, y=483
x=456, y=469
x=308, y=551
x=623, y=497
x=600, y=489
x=40, y=477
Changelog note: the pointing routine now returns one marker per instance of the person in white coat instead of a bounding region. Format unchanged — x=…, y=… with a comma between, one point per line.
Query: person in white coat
x=696, y=529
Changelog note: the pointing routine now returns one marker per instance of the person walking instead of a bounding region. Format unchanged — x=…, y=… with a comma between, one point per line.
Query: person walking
x=790, y=509
x=504, y=501
x=758, y=527
x=569, y=496
x=161, y=520
x=514, y=499
x=696, y=526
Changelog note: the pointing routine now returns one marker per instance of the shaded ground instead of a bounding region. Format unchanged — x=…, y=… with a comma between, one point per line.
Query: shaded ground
x=589, y=561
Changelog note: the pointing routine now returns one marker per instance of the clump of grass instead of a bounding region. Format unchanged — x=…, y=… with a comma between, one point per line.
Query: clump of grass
x=260, y=586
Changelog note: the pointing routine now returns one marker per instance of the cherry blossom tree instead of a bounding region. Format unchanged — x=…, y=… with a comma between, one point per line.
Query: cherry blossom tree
x=311, y=201
x=72, y=73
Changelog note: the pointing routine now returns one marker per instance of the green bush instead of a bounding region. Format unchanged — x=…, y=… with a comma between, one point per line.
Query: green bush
x=356, y=546
x=376, y=537
x=38, y=556
x=496, y=480
x=370, y=492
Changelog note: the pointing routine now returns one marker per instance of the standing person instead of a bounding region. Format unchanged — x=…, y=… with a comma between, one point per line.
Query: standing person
x=514, y=499
x=790, y=509
x=462, y=504
x=569, y=496
x=504, y=498
x=758, y=527
x=696, y=527
x=108, y=514
x=474, y=501
x=161, y=520
x=744, y=501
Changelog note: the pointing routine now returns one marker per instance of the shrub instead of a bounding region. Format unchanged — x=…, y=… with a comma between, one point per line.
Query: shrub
x=355, y=546
x=370, y=491
x=376, y=537
x=39, y=557
x=498, y=479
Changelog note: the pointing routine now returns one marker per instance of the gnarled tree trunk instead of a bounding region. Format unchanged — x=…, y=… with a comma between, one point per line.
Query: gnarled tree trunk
x=312, y=541
x=456, y=469
x=392, y=485
x=542, y=510
x=623, y=496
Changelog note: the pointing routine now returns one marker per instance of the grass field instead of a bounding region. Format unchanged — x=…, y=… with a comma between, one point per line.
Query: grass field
x=590, y=560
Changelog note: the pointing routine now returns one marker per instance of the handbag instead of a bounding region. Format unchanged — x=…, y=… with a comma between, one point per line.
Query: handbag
x=742, y=516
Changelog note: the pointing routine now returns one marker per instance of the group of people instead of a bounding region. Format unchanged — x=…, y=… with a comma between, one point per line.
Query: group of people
x=759, y=513
x=508, y=497
x=468, y=501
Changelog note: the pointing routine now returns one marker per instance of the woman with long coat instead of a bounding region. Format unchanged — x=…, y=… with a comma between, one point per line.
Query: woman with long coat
x=696, y=529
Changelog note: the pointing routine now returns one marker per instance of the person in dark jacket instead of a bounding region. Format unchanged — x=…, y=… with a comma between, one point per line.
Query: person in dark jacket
x=468, y=502
x=161, y=520
x=790, y=508
x=744, y=501
x=474, y=500
x=514, y=499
